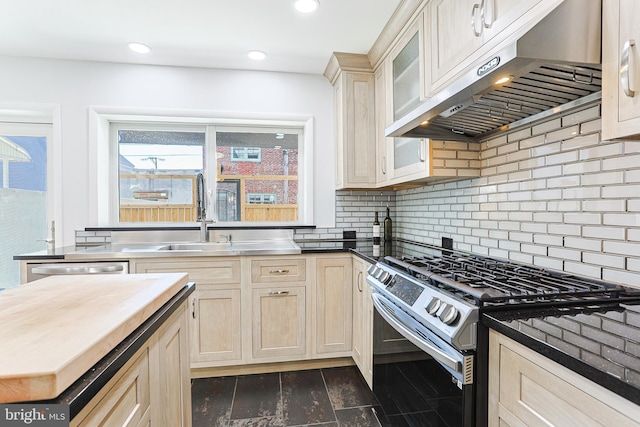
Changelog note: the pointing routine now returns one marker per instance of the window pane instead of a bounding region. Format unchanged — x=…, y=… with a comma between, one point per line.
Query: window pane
x=23, y=197
x=264, y=169
x=157, y=171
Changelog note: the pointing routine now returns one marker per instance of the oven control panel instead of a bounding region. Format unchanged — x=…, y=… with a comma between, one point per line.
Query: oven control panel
x=451, y=318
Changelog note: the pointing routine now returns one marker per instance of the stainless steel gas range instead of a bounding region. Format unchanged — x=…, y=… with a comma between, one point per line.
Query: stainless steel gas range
x=431, y=351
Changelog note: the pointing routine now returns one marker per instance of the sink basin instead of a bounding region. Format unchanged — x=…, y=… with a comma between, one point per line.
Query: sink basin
x=196, y=246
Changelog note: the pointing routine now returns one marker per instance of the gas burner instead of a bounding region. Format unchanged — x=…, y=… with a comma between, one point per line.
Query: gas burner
x=493, y=283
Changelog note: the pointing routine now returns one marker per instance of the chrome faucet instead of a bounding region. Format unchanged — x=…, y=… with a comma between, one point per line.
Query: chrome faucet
x=201, y=211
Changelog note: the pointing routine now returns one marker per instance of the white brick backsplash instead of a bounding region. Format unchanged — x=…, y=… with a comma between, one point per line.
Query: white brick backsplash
x=585, y=141
x=548, y=217
x=533, y=249
x=583, y=269
x=564, y=229
x=624, y=277
x=603, y=260
x=607, y=150
x=565, y=254
x=604, y=205
x=620, y=191
x=581, y=193
x=564, y=133
x=547, y=126
x=564, y=181
x=546, y=172
x=627, y=220
x=622, y=248
x=581, y=116
x=631, y=147
x=546, y=262
x=547, y=239
x=602, y=178
x=629, y=161
x=582, y=218
x=584, y=244
x=521, y=257
x=591, y=127
x=604, y=232
x=562, y=158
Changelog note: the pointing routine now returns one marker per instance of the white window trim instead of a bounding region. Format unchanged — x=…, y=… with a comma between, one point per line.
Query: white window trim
x=104, y=177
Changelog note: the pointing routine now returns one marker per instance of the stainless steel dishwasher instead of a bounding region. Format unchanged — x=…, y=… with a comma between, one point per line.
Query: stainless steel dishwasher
x=37, y=271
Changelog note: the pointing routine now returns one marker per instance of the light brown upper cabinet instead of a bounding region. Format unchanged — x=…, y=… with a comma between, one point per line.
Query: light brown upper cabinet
x=460, y=28
x=354, y=99
x=620, y=69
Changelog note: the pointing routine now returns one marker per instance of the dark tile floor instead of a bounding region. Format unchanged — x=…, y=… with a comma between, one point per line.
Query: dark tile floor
x=335, y=397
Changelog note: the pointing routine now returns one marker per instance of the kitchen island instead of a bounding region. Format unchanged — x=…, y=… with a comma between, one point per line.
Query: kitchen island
x=108, y=346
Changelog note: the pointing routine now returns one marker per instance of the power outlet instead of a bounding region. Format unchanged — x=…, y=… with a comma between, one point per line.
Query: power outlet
x=447, y=243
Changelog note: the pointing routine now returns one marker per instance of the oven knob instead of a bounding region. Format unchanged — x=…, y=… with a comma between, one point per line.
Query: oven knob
x=433, y=306
x=385, y=277
x=449, y=315
x=372, y=268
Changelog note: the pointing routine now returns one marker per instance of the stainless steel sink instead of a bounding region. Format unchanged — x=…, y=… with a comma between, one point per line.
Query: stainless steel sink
x=196, y=246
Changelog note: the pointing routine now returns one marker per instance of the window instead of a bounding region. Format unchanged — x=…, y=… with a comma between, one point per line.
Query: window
x=266, y=199
x=245, y=154
x=251, y=172
x=26, y=194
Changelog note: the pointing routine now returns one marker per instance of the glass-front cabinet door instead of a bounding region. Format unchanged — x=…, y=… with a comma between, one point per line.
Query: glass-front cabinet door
x=408, y=158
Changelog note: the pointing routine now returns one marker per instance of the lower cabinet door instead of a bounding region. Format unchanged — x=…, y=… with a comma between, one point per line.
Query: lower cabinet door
x=279, y=323
x=174, y=383
x=334, y=320
x=127, y=402
x=216, y=333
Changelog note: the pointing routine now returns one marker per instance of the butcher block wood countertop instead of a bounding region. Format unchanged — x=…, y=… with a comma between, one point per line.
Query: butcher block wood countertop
x=55, y=329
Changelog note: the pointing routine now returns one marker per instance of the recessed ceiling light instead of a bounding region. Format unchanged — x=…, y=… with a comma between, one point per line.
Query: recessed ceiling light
x=139, y=47
x=306, y=6
x=256, y=55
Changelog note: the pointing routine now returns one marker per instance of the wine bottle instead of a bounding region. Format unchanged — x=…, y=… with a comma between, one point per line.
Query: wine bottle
x=376, y=235
x=388, y=227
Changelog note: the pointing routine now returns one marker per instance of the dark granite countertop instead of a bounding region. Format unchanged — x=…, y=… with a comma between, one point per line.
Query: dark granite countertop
x=603, y=345
x=53, y=254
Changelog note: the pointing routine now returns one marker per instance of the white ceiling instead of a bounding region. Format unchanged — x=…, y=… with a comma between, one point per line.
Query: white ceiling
x=198, y=33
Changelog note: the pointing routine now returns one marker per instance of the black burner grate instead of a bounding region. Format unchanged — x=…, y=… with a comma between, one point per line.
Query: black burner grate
x=490, y=282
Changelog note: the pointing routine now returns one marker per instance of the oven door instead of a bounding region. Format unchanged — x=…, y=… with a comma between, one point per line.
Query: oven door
x=418, y=379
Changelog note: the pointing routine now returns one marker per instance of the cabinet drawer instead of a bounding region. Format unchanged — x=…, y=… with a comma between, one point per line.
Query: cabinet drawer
x=278, y=270
x=127, y=401
x=208, y=271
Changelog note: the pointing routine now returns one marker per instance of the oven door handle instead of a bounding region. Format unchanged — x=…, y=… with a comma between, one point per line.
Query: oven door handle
x=431, y=350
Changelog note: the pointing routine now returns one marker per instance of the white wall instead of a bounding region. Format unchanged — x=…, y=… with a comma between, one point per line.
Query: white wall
x=76, y=86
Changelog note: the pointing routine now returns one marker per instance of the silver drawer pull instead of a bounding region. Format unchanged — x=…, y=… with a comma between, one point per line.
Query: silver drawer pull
x=279, y=293
x=278, y=271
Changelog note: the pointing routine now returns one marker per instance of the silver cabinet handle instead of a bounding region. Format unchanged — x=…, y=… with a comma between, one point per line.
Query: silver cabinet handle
x=193, y=308
x=279, y=293
x=487, y=9
x=383, y=165
x=475, y=19
x=423, y=149
x=359, y=281
x=625, y=65
x=278, y=271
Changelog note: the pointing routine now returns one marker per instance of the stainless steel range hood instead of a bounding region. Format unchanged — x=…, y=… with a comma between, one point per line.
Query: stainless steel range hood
x=553, y=66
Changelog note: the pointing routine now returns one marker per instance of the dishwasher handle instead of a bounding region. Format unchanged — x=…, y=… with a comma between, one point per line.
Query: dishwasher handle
x=96, y=268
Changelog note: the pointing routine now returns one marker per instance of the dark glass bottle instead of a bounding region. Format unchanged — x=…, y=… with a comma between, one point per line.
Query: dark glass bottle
x=388, y=227
x=376, y=230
